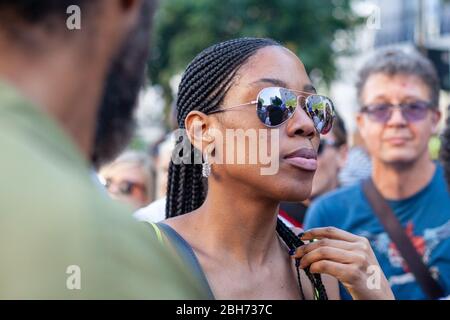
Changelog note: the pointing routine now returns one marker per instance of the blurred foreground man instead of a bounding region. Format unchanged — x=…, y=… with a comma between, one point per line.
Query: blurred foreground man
x=60, y=235
x=399, y=96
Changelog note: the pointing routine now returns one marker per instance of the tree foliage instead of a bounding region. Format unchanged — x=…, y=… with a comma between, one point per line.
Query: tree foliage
x=307, y=27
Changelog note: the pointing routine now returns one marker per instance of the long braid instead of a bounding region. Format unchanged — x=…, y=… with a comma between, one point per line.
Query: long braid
x=293, y=242
x=203, y=87
x=172, y=177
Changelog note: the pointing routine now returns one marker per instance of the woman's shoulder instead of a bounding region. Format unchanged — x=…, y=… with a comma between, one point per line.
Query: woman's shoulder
x=179, y=223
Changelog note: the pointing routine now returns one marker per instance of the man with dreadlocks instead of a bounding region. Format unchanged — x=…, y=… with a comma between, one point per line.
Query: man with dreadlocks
x=226, y=225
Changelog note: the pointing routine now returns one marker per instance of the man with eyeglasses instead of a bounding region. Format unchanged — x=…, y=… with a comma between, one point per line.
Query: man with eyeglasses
x=398, y=91
x=129, y=179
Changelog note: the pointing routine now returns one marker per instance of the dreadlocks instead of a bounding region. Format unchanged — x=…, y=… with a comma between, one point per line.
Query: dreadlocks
x=203, y=87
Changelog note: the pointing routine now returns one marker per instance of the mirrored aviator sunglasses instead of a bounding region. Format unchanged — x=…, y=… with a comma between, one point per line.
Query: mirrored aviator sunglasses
x=276, y=105
x=319, y=108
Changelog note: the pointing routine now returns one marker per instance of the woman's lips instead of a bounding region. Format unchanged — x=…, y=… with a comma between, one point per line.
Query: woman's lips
x=305, y=159
x=303, y=163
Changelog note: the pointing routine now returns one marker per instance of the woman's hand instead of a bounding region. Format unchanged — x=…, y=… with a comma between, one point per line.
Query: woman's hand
x=348, y=258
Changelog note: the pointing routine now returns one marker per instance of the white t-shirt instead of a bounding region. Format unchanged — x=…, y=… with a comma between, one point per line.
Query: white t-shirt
x=154, y=212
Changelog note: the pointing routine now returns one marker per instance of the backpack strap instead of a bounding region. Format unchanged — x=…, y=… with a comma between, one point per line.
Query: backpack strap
x=158, y=233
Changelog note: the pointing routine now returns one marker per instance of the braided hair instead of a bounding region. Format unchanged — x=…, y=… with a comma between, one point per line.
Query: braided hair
x=203, y=87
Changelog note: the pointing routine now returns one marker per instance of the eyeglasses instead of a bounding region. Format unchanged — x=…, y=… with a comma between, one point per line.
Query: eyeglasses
x=411, y=111
x=276, y=105
x=125, y=187
x=326, y=143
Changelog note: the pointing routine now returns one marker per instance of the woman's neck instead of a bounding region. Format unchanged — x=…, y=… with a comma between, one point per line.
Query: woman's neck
x=239, y=224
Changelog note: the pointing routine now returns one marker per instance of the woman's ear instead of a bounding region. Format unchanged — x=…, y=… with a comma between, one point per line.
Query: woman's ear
x=197, y=126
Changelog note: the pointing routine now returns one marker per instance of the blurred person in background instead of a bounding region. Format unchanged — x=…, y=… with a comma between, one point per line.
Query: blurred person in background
x=155, y=211
x=331, y=157
x=129, y=179
x=66, y=103
x=162, y=160
x=358, y=165
x=332, y=154
x=398, y=91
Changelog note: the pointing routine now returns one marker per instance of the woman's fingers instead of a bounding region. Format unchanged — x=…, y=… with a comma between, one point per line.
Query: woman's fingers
x=332, y=268
x=345, y=245
x=330, y=233
x=346, y=257
x=350, y=276
x=332, y=254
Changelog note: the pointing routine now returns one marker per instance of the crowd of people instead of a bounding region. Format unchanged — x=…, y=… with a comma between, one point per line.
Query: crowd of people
x=145, y=225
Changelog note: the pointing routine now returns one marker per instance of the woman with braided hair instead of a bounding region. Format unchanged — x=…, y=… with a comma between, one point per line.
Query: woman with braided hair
x=224, y=215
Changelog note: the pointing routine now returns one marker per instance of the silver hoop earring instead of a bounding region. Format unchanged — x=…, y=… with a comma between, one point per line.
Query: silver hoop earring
x=206, y=166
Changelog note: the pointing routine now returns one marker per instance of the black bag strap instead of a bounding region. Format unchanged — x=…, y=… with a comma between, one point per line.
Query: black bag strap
x=397, y=234
x=187, y=254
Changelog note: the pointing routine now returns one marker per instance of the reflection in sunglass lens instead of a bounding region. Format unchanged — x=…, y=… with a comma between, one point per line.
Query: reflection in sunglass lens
x=277, y=105
x=321, y=111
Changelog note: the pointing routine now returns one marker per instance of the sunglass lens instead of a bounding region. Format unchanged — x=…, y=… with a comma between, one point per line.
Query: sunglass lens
x=415, y=111
x=321, y=111
x=321, y=147
x=380, y=113
x=126, y=187
x=275, y=105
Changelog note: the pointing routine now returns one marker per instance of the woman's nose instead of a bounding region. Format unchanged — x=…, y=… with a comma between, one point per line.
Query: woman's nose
x=301, y=124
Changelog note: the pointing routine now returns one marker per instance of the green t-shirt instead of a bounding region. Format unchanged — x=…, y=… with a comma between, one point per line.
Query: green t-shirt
x=61, y=237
